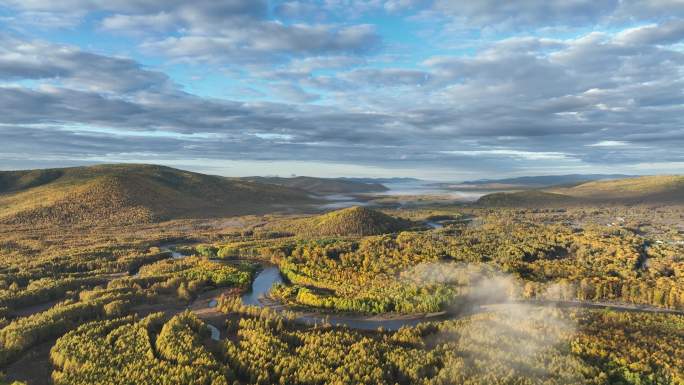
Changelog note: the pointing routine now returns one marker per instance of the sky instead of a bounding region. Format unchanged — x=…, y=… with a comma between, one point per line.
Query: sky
x=435, y=89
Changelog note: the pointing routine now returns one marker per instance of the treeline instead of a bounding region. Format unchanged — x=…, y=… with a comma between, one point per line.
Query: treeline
x=76, y=262
x=269, y=250
x=632, y=348
x=551, y=261
x=28, y=282
x=26, y=332
x=529, y=345
x=114, y=300
x=663, y=292
x=198, y=269
x=44, y=290
x=121, y=351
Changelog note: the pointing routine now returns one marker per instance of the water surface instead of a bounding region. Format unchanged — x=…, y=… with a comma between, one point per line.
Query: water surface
x=215, y=333
x=265, y=279
x=270, y=275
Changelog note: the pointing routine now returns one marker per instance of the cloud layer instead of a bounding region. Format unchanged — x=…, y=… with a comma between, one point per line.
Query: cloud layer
x=432, y=87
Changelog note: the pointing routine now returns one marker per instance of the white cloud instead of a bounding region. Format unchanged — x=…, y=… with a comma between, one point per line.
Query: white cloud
x=159, y=22
x=508, y=153
x=529, y=100
x=609, y=143
x=666, y=33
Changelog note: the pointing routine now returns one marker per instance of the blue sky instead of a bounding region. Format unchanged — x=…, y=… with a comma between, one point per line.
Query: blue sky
x=438, y=89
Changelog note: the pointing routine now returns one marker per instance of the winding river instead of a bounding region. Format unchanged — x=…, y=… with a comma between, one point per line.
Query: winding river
x=170, y=248
x=265, y=279
x=215, y=333
x=269, y=275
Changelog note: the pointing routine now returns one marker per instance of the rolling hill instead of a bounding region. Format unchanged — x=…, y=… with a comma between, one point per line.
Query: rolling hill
x=322, y=186
x=663, y=189
x=395, y=180
x=531, y=182
x=118, y=194
x=547, y=180
x=524, y=198
x=352, y=221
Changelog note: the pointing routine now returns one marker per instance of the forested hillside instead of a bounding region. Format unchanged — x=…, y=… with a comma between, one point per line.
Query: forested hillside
x=424, y=294
x=641, y=190
x=647, y=189
x=131, y=194
x=353, y=221
x=265, y=348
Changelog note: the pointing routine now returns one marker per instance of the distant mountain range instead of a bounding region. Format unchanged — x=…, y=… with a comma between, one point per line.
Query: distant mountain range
x=323, y=186
x=125, y=194
x=664, y=189
x=384, y=180
x=547, y=180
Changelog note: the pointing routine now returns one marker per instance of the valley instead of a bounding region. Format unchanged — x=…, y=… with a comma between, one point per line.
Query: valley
x=431, y=291
x=341, y=192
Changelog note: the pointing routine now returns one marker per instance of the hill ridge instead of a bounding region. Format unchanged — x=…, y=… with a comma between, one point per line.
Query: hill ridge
x=659, y=189
x=323, y=186
x=351, y=221
x=123, y=193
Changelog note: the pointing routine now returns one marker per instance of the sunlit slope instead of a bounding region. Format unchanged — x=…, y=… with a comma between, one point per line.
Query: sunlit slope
x=131, y=194
x=524, y=198
x=668, y=189
x=353, y=221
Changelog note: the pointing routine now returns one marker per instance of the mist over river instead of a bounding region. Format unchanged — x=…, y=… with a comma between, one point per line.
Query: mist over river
x=404, y=191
